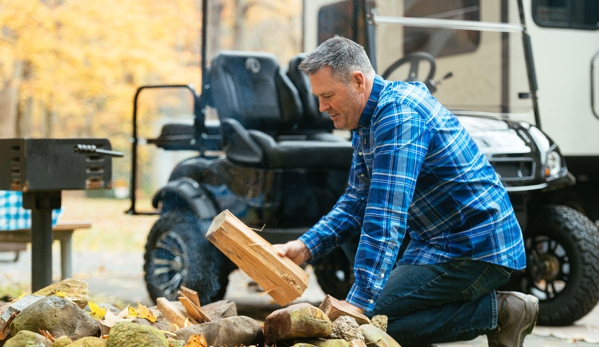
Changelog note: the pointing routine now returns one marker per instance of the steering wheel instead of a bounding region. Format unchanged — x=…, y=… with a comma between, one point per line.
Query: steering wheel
x=414, y=59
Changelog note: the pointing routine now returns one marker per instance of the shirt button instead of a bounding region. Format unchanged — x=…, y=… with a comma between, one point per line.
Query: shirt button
x=361, y=175
x=382, y=275
x=360, y=153
x=371, y=301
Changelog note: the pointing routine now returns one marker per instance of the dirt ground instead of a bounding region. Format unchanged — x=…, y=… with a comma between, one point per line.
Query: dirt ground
x=109, y=256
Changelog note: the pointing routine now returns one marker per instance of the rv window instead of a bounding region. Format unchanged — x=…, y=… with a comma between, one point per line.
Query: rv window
x=573, y=14
x=436, y=41
x=333, y=20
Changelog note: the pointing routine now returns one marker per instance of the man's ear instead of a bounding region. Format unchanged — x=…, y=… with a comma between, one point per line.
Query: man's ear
x=358, y=80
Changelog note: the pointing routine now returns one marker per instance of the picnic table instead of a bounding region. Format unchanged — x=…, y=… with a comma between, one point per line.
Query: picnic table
x=15, y=230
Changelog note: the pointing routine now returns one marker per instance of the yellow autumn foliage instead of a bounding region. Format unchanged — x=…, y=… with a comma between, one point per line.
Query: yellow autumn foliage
x=73, y=65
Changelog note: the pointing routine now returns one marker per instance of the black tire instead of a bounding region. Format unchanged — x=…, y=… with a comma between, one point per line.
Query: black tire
x=177, y=254
x=562, y=248
x=334, y=274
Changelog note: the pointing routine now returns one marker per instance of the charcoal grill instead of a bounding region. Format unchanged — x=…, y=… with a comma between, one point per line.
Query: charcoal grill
x=42, y=169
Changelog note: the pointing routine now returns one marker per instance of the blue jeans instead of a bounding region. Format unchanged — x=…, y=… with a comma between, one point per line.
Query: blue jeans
x=447, y=302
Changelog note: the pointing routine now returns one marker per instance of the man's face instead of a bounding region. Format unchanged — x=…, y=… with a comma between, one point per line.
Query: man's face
x=343, y=102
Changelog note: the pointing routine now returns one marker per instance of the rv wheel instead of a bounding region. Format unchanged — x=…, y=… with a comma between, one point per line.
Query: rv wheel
x=177, y=254
x=562, y=248
x=334, y=274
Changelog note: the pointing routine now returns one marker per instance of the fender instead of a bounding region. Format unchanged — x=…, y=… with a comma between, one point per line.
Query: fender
x=185, y=193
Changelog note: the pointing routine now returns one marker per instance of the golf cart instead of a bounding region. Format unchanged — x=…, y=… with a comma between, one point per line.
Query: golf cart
x=276, y=162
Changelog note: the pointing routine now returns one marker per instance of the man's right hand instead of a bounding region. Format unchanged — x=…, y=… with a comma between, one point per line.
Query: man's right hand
x=295, y=250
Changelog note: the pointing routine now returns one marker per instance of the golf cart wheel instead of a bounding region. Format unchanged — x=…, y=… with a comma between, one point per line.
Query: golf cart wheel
x=334, y=274
x=177, y=254
x=562, y=270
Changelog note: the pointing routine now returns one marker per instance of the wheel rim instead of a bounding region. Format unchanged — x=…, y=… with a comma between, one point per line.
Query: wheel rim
x=337, y=275
x=170, y=263
x=549, y=269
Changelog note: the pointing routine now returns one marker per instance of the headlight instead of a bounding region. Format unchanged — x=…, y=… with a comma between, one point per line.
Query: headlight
x=553, y=164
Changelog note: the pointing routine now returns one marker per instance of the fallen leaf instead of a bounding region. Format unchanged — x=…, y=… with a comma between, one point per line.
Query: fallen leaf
x=60, y=294
x=144, y=312
x=196, y=340
x=110, y=319
x=96, y=311
x=132, y=312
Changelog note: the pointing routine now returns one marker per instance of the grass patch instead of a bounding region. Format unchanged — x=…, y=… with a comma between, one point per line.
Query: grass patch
x=112, y=229
x=13, y=291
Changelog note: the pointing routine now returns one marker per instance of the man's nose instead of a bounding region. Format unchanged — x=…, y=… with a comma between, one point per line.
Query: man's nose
x=322, y=105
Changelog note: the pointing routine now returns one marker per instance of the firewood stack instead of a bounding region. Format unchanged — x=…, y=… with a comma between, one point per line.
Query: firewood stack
x=61, y=315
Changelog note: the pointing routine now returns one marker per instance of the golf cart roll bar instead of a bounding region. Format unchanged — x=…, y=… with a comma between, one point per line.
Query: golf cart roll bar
x=136, y=140
x=593, y=59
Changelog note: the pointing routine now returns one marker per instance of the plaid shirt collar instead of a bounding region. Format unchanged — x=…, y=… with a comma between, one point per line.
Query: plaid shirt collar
x=373, y=101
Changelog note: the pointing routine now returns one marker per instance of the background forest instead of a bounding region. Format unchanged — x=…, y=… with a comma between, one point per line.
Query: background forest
x=70, y=68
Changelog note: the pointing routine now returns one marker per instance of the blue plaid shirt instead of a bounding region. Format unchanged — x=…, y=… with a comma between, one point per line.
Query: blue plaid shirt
x=416, y=170
x=12, y=214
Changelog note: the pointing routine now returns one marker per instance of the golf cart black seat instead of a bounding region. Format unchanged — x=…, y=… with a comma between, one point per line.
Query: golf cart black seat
x=262, y=118
x=313, y=118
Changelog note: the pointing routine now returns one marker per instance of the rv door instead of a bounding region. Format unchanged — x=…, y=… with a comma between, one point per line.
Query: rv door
x=565, y=39
x=594, y=86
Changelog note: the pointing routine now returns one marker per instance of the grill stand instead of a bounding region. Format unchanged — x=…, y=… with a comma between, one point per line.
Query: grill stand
x=41, y=205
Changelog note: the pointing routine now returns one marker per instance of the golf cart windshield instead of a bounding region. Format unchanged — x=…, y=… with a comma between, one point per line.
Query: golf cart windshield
x=475, y=48
x=486, y=62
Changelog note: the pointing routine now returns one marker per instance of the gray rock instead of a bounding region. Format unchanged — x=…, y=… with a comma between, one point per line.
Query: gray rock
x=357, y=343
x=296, y=321
x=58, y=316
x=230, y=331
x=375, y=337
x=89, y=342
x=320, y=343
x=220, y=309
x=380, y=321
x=127, y=334
x=9, y=308
x=28, y=339
x=346, y=328
x=74, y=289
x=209, y=330
x=61, y=341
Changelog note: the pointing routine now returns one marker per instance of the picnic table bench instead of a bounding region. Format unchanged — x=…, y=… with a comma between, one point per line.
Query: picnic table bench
x=62, y=232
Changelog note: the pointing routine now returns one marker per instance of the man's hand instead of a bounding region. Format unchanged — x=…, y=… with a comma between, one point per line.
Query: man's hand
x=295, y=250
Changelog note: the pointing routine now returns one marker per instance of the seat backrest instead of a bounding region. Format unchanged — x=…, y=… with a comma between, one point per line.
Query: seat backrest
x=312, y=117
x=251, y=88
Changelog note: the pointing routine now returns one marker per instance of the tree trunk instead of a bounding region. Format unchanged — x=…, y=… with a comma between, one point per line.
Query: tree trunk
x=9, y=101
x=241, y=7
x=215, y=9
x=24, y=114
x=49, y=120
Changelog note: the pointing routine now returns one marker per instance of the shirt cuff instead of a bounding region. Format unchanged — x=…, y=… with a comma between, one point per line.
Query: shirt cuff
x=363, y=298
x=312, y=242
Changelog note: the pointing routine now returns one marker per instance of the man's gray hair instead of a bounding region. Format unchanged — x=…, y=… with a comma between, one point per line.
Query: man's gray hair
x=342, y=54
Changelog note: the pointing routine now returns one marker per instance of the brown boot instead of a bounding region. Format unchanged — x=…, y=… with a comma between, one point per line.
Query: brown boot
x=517, y=317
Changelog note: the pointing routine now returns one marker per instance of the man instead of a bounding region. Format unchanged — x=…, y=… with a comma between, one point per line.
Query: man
x=416, y=171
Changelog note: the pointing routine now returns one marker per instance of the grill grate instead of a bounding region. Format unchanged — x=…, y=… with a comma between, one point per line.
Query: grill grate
x=521, y=169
